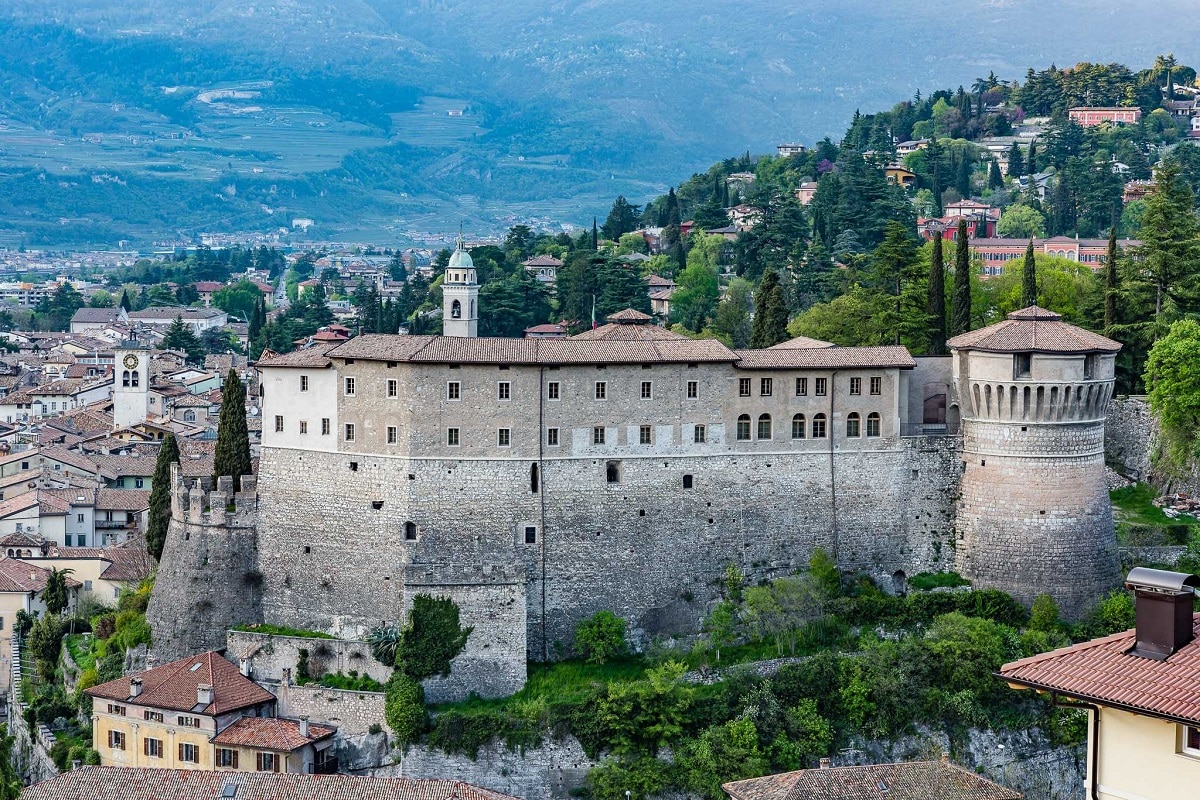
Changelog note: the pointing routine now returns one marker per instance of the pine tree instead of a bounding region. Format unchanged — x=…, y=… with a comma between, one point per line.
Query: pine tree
x=233, y=440
x=995, y=179
x=1016, y=161
x=159, y=516
x=1111, y=286
x=1029, y=292
x=960, y=311
x=937, y=299
x=1170, y=251
x=770, y=313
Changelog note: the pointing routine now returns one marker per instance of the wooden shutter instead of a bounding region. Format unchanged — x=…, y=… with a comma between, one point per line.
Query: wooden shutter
x=145, y=747
x=235, y=758
x=181, y=751
x=275, y=761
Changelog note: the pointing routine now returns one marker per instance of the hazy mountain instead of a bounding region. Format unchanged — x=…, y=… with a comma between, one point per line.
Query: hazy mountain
x=345, y=106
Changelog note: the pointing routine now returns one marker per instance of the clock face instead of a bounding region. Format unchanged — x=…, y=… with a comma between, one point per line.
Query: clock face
x=131, y=361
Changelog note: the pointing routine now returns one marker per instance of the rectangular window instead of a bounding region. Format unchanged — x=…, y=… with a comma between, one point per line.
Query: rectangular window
x=325, y=426
x=530, y=534
x=116, y=740
x=743, y=387
x=79, y=517
x=856, y=386
x=503, y=390
x=349, y=431
x=392, y=387
x=646, y=390
x=645, y=434
x=304, y=383
x=303, y=426
x=453, y=390
x=552, y=390
x=188, y=722
x=393, y=434
x=152, y=747
x=876, y=385
x=189, y=753
x=552, y=437
x=502, y=437
x=1089, y=367
x=227, y=758
x=349, y=387
x=820, y=387
x=601, y=390
x=693, y=390
x=154, y=716
x=598, y=435
x=268, y=762
x=699, y=434
x=138, y=483
x=1022, y=365
x=278, y=423
x=115, y=709
x=452, y=437
x=801, y=387
x=764, y=387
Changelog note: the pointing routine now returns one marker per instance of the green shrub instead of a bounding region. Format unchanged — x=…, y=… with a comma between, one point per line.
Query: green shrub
x=352, y=682
x=404, y=708
x=926, y=581
x=43, y=644
x=459, y=732
x=727, y=752
x=600, y=638
x=432, y=638
x=642, y=777
x=1044, y=614
x=91, y=757
x=104, y=625
x=281, y=630
x=131, y=630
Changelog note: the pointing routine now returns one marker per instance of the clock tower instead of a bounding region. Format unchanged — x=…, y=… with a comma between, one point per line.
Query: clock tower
x=131, y=383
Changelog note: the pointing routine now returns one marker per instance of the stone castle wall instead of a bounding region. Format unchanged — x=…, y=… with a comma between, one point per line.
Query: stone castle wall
x=269, y=655
x=335, y=558
x=1129, y=437
x=352, y=712
x=208, y=578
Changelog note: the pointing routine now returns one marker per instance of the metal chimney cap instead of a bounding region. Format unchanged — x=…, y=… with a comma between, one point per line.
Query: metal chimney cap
x=1160, y=580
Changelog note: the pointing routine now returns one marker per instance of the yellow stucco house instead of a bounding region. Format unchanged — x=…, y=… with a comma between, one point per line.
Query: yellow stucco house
x=1140, y=689
x=202, y=713
x=21, y=585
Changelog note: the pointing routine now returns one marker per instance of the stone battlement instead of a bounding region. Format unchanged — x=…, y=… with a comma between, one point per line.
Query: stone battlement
x=220, y=507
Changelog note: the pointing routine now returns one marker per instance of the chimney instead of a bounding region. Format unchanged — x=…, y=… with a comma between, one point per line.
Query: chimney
x=76, y=763
x=825, y=763
x=204, y=694
x=304, y=726
x=945, y=758
x=1163, y=607
x=246, y=667
x=135, y=687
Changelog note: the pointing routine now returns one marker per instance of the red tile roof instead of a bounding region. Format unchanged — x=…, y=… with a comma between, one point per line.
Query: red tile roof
x=827, y=358
x=141, y=783
x=912, y=780
x=173, y=686
x=1103, y=671
x=576, y=350
x=270, y=733
x=21, y=576
x=1037, y=330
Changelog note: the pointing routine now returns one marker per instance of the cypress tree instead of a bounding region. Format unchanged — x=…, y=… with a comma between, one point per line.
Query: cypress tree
x=962, y=181
x=160, y=497
x=1029, y=294
x=1031, y=161
x=1016, y=161
x=960, y=310
x=995, y=179
x=770, y=313
x=595, y=235
x=233, y=440
x=125, y=304
x=937, y=299
x=1110, y=284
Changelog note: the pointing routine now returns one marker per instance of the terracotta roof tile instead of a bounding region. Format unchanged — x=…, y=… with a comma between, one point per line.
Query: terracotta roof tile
x=827, y=358
x=616, y=332
x=1034, y=329
x=21, y=576
x=912, y=780
x=308, y=357
x=453, y=349
x=1103, y=671
x=123, y=500
x=141, y=783
x=271, y=733
x=173, y=686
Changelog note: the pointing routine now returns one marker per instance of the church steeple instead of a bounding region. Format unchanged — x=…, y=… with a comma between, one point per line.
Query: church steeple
x=460, y=294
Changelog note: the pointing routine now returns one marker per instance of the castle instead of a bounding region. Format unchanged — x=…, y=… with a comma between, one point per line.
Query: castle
x=537, y=481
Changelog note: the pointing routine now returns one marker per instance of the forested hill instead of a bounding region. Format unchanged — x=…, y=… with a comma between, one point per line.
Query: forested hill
x=376, y=118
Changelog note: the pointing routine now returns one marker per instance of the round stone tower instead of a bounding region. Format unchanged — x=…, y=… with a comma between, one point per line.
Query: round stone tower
x=1034, y=515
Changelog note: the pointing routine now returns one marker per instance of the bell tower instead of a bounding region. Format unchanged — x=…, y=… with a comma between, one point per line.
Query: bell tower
x=131, y=383
x=460, y=295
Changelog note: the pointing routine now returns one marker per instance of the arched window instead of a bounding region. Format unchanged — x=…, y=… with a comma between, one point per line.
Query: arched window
x=189, y=416
x=134, y=378
x=798, y=426
x=764, y=426
x=533, y=478
x=873, y=420
x=472, y=310
x=410, y=531
x=818, y=426
x=852, y=425
x=125, y=378
x=743, y=428
x=456, y=310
